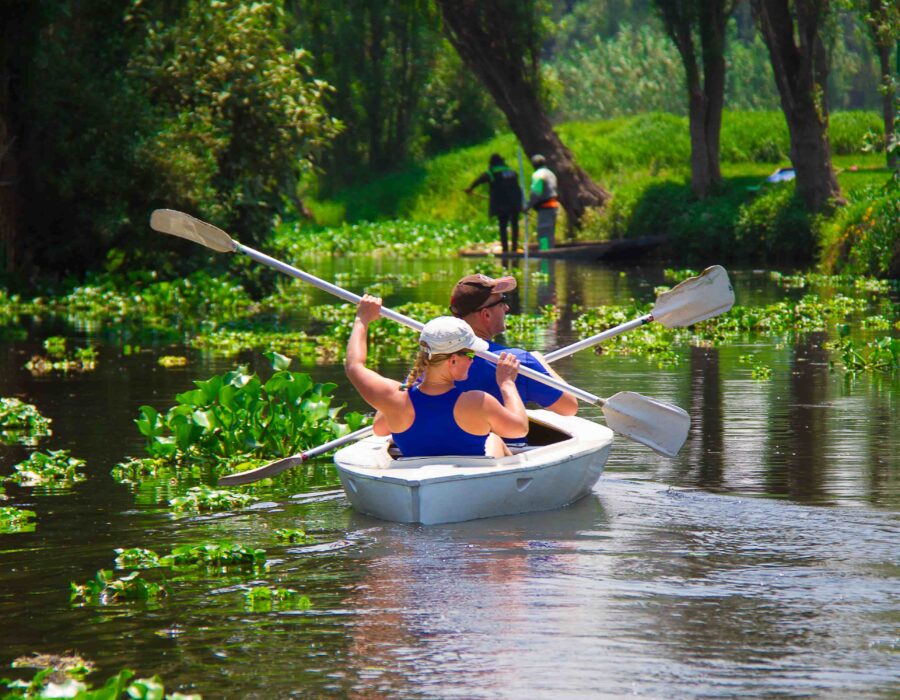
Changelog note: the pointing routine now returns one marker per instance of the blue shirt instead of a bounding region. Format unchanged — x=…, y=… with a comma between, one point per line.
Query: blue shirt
x=483, y=377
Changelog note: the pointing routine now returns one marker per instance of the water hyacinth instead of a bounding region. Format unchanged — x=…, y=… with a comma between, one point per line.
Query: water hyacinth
x=104, y=589
x=13, y=519
x=205, y=499
x=21, y=423
x=237, y=413
x=55, y=469
x=400, y=238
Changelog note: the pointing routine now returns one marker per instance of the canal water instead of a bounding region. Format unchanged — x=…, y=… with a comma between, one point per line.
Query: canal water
x=763, y=561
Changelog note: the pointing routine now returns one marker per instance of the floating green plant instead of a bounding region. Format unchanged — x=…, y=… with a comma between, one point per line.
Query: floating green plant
x=265, y=599
x=232, y=341
x=400, y=238
x=59, y=359
x=172, y=361
x=236, y=413
x=761, y=372
x=14, y=519
x=204, y=498
x=104, y=589
x=63, y=682
x=136, y=558
x=21, y=423
x=218, y=554
x=292, y=535
x=880, y=355
x=53, y=468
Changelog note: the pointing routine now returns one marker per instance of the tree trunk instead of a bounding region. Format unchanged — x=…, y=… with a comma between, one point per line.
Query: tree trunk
x=499, y=47
x=800, y=75
x=884, y=25
x=706, y=88
x=10, y=211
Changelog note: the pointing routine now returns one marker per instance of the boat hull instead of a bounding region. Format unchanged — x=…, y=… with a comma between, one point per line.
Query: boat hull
x=433, y=490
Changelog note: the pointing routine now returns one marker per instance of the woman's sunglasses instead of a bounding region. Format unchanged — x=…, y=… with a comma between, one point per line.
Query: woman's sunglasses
x=502, y=300
x=466, y=353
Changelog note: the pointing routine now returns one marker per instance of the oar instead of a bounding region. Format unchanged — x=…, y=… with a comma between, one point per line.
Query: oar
x=693, y=300
x=280, y=465
x=660, y=426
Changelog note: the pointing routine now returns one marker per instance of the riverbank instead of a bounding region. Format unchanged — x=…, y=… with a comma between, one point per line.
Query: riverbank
x=644, y=161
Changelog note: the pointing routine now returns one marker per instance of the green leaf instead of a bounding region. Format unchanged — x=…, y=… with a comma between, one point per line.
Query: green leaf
x=279, y=362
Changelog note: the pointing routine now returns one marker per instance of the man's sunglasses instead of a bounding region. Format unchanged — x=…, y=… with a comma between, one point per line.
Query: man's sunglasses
x=502, y=300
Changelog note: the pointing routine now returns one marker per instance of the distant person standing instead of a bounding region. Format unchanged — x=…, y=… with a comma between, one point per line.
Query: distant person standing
x=543, y=198
x=505, y=198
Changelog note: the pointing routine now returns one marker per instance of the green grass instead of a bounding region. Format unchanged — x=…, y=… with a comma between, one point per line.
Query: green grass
x=616, y=153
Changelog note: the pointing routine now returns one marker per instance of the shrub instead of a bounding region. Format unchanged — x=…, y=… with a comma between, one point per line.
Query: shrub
x=864, y=237
x=775, y=227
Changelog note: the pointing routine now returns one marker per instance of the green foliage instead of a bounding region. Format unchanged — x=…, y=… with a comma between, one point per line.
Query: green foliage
x=14, y=519
x=853, y=132
x=775, y=227
x=136, y=558
x=59, y=359
x=204, y=498
x=265, y=599
x=637, y=70
x=237, y=412
x=239, y=114
x=103, y=589
x=215, y=555
x=21, y=423
x=864, y=237
x=879, y=355
x=53, y=469
x=292, y=535
x=118, y=687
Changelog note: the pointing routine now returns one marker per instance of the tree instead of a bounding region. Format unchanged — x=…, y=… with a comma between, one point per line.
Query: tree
x=704, y=78
x=883, y=19
x=792, y=32
x=499, y=41
x=379, y=57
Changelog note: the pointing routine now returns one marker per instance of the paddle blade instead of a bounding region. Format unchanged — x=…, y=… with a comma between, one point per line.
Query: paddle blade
x=177, y=223
x=696, y=299
x=263, y=472
x=660, y=426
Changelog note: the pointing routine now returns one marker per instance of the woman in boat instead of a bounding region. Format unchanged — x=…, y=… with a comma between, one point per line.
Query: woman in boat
x=427, y=415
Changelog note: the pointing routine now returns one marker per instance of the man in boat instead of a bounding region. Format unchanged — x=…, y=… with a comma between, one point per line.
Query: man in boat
x=429, y=414
x=481, y=302
x=505, y=200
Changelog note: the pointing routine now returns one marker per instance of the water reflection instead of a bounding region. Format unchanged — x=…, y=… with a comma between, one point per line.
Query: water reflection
x=705, y=589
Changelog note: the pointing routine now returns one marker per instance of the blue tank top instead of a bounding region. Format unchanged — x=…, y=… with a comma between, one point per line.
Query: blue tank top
x=434, y=430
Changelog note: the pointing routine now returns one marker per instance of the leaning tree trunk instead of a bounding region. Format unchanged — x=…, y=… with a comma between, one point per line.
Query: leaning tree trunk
x=490, y=43
x=10, y=220
x=800, y=75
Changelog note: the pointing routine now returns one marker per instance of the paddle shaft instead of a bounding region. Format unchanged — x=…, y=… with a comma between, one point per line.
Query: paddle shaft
x=407, y=321
x=596, y=339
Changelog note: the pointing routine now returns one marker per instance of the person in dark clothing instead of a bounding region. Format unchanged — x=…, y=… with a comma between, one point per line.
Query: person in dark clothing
x=505, y=198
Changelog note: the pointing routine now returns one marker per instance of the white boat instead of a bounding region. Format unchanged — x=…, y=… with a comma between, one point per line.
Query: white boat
x=565, y=460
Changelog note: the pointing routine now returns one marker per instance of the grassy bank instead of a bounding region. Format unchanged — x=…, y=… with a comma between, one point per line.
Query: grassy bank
x=644, y=162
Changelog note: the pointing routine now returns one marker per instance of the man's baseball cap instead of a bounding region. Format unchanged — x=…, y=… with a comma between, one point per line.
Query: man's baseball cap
x=472, y=291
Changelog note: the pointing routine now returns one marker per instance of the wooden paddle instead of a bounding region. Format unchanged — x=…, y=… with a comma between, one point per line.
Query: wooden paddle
x=693, y=300
x=660, y=426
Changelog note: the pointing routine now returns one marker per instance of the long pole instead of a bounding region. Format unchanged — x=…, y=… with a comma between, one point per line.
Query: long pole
x=525, y=274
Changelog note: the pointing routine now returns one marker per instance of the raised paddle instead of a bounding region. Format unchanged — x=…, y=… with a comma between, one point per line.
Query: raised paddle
x=693, y=300
x=660, y=426
x=280, y=465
